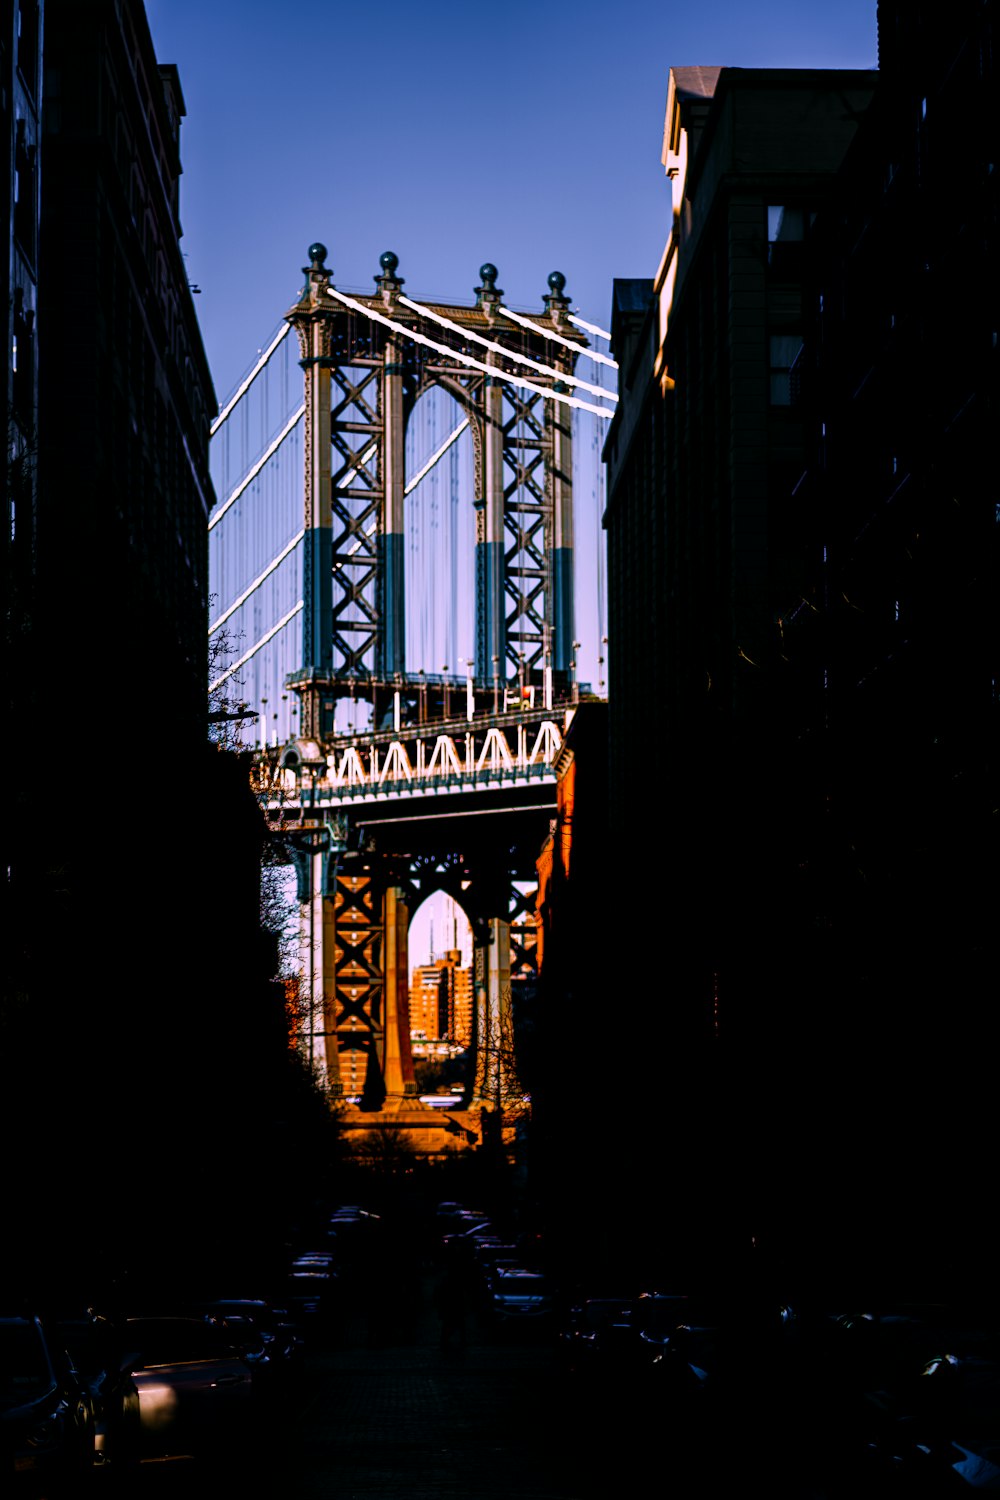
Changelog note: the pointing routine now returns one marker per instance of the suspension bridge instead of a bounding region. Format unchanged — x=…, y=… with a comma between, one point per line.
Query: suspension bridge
x=406, y=482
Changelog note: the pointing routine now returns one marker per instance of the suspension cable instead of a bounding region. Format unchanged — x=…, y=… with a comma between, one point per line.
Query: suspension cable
x=269, y=452
x=549, y=333
x=428, y=466
x=521, y=359
x=466, y=359
x=275, y=563
x=590, y=327
x=267, y=636
x=248, y=382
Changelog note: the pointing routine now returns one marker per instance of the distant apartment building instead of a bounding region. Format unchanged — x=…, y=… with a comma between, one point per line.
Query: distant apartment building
x=441, y=1000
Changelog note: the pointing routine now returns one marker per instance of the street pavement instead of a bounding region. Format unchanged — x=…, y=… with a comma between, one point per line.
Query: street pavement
x=385, y=1408
x=387, y=1411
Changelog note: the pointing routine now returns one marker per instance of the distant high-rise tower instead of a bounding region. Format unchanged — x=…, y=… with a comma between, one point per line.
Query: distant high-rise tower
x=441, y=999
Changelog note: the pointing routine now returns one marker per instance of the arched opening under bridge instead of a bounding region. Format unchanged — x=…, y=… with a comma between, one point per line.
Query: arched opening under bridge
x=442, y=1000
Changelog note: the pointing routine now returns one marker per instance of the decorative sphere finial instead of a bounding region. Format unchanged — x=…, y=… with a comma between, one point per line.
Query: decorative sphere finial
x=389, y=260
x=557, y=282
x=317, y=256
x=489, y=273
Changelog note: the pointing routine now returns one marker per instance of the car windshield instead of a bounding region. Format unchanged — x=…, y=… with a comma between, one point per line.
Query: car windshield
x=24, y=1365
x=523, y=1284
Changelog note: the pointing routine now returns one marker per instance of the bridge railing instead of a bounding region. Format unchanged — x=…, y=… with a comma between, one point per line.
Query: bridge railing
x=414, y=763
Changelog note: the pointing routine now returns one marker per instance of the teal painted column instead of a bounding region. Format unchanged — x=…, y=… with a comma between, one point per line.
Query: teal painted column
x=390, y=550
x=560, y=545
x=491, y=634
x=390, y=553
x=491, y=639
x=559, y=424
x=317, y=563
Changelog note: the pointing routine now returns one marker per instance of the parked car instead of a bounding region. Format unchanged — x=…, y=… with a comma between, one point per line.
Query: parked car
x=597, y=1334
x=92, y=1345
x=656, y=1318
x=267, y=1338
x=458, y=1220
x=195, y=1388
x=46, y=1414
x=522, y=1299
x=915, y=1389
x=491, y=1253
x=315, y=1260
x=310, y=1294
x=464, y=1237
x=942, y=1425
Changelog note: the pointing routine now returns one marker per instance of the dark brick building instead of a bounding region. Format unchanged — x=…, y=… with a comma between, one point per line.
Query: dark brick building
x=20, y=114
x=705, y=556
x=137, y=1009
x=20, y=84
x=124, y=378
x=894, y=649
x=801, y=533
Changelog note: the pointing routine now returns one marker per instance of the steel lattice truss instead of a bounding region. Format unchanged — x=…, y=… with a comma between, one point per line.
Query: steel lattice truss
x=357, y=497
x=357, y=1020
x=358, y=977
x=523, y=934
x=375, y=374
x=358, y=491
x=367, y=361
x=527, y=515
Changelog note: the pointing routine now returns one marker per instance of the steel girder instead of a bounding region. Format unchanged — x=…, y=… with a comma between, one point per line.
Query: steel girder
x=362, y=382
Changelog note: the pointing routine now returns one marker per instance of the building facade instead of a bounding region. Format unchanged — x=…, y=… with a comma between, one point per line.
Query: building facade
x=20, y=176
x=128, y=492
x=20, y=110
x=708, y=555
x=801, y=538
x=137, y=975
x=896, y=652
x=441, y=999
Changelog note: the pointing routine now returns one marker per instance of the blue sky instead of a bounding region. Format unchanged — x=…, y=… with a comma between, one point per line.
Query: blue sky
x=528, y=135
x=524, y=134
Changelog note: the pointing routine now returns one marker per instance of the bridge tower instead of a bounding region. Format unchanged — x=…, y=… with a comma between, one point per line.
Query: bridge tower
x=366, y=360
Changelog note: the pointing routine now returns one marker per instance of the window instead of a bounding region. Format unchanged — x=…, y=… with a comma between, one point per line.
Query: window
x=27, y=46
x=786, y=231
x=784, y=225
x=23, y=360
x=24, y=189
x=783, y=348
